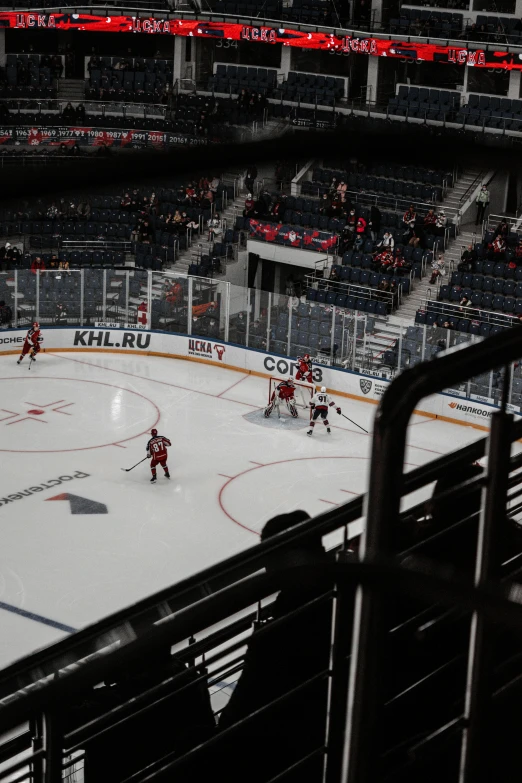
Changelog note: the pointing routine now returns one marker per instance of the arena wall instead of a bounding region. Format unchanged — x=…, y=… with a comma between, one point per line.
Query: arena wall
x=367, y=388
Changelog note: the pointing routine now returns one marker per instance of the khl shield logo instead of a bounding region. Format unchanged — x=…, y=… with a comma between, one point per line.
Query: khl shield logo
x=365, y=385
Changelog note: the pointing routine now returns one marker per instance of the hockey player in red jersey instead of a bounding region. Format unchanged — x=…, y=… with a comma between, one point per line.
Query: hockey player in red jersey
x=157, y=449
x=283, y=392
x=304, y=368
x=32, y=342
x=319, y=405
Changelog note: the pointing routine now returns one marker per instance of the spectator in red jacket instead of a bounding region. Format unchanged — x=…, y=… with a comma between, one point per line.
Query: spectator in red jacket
x=37, y=264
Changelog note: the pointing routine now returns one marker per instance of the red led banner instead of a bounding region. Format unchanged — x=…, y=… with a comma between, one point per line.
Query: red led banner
x=377, y=47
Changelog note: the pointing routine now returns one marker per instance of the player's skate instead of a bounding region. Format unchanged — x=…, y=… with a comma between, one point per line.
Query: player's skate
x=167, y=474
x=328, y=430
x=153, y=480
x=19, y=360
x=309, y=432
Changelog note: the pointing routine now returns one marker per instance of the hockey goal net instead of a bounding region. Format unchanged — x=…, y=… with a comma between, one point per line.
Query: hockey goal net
x=303, y=391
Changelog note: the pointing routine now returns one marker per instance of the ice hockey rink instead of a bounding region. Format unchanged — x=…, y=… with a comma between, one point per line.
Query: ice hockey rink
x=80, y=538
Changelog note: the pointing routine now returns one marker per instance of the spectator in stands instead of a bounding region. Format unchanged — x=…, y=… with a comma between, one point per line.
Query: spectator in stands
x=430, y=220
x=342, y=187
x=375, y=221
x=440, y=225
x=409, y=217
x=482, y=203
x=125, y=203
x=385, y=261
x=6, y=315
x=279, y=658
x=69, y=114
x=334, y=274
x=12, y=255
x=63, y=266
x=399, y=266
x=36, y=265
x=250, y=178
x=80, y=114
x=387, y=242
x=215, y=227
x=144, y=231
x=84, y=210
x=52, y=212
x=497, y=248
x=518, y=251
x=214, y=185
x=464, y=302
x=60, y=316
x=54, y=262
x=249, y=206
x=502, y=229
x=467, y=260
x=94, y=64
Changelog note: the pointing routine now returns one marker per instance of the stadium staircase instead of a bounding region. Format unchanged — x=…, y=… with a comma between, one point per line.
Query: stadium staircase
x=201, y=245
x=453, y=202
x=387, y=329
x=71, y=90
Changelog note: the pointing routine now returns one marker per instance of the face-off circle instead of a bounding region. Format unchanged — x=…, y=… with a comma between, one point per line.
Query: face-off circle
x=322, y=481
x=41, y=414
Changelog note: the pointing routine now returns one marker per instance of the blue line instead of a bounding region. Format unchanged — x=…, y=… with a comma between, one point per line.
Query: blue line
x=37, y=618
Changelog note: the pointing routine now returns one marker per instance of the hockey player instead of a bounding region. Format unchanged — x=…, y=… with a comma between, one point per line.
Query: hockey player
x=32, y=342
x=283, y=392
x=304, y=368
x=319, y=405
x=157, y=449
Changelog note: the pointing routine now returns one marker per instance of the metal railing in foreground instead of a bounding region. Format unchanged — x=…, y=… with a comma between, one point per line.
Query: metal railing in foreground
x=165, y=661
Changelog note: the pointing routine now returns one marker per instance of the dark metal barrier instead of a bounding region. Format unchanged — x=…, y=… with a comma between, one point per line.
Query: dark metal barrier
x=404, y=666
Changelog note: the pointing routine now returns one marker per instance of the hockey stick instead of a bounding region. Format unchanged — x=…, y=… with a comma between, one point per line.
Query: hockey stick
x=354, y=422
x=126, y=470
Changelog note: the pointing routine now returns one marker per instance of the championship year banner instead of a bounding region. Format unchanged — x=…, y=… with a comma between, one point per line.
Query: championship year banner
x=95, y=137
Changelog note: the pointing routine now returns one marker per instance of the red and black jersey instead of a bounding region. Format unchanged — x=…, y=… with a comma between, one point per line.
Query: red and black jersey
x=285, y=390
x=33, y=336
x=304, y=366
x=157, y=446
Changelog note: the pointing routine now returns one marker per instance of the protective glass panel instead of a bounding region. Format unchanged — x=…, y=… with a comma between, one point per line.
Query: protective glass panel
x=94, y=303
x=208, y=302
x=169, y=302
x=60, y=297
x=238, y=314
x=25, y=293
x=259, y=326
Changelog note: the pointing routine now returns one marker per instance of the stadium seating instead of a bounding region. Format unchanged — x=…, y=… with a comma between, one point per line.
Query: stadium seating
x=234, y=78
x=312, y=88
x=424, y=102
x=491, y=111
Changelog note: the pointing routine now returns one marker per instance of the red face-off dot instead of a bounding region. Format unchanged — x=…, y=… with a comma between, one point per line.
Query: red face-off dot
x=36, y=412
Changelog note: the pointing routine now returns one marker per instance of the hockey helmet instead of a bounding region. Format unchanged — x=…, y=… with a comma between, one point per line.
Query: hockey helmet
x=154, y=433
x=36, y=325
x=323, y=389
x=290, y=380
x=306, y=357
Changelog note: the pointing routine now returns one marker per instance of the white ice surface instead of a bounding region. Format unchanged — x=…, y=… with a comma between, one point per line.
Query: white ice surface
x=229, y=475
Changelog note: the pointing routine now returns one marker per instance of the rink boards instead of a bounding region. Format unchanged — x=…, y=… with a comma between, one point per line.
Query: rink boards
x=451, y=407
